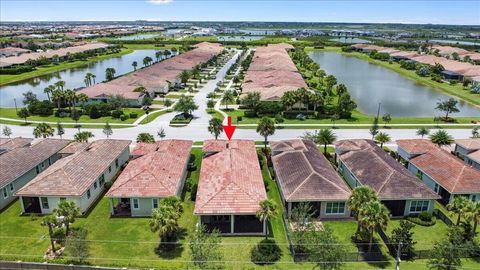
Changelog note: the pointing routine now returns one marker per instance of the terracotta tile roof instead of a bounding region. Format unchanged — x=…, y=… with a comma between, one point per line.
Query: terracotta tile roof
x=155, y=76
x=19, y=161
x=373, y=167
x=272, y=73
x=73, y=148
x=74, y=174
x=143, y=149
x=230, y=181
x=447, y=170
x=449, y=50
x=7, y=144
x=475, y=156
x=304, y=174
x=469, y=144
x=157, y=173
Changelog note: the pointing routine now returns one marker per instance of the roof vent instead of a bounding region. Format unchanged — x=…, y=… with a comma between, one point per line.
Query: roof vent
x=226, y=145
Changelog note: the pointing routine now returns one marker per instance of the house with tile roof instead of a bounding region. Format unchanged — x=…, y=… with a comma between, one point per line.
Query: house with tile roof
x=7, y=144
x=362, y=162
x=469, y=151
x=158, y=172
x=441, y=171
x=230, y=188
x=24, y=161
x=79, y=177
x=305, y=175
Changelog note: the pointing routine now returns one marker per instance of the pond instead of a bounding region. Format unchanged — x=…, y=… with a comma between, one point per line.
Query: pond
x=350, y=40
x=370, y=84
x=449, y=41
x=258, y=32
x=137, y=36
x=74, y=77
x=239, y=38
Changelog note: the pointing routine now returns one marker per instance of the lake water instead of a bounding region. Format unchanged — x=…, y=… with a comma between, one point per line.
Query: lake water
x=239, y=38
x=137, y=37
x=350, y=40
x=73, y=77
x=370, y=84
x=449, y=41
x=258, y=32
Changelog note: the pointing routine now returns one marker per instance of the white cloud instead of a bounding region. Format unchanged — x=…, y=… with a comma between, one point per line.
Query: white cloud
x=159, y=2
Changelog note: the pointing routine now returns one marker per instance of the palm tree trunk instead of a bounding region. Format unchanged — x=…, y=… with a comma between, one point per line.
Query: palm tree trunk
x=266, y=143
x=325, y=148
x=50, y=232
x=371, y=242
x=458, y=219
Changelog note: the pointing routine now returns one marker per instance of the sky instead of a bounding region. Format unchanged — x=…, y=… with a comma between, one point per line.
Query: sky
x=379, y=11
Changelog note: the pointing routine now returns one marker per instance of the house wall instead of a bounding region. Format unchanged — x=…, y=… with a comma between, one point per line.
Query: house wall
x=472, y=163
x=404, y=154
x=409, y=203
x=23, y=180
x=460, y=151
x=323, y=210
x=348, y=175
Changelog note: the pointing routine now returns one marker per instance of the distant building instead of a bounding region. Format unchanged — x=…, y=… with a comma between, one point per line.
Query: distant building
x=469, y=151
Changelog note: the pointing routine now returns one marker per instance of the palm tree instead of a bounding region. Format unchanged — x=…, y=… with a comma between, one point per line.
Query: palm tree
x=57, y=97
x=325, y=137
x=158, y=54
x=43, y=130
x=382, y=138
x=83, y=136
x=268, y=212
x=266, y=127
x=227, y=98
x=360, y=196
x=473, y=214
x=51, y=222
x=184, y=76
x=70, y=97
x=60, y=84
x=165, y=219
x=289, y=99
x=69, y=211
x=93, y=77
x=110, y=74
x=441, y=138
x=423, y=131
x=83, y=98
x=215, y=127
x=134, y=64
x=49, y=90
x=458, y=206
x=145, y=138
x=373, y=215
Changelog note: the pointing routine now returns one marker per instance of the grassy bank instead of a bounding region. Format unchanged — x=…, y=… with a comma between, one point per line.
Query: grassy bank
x=42, y=70
x=453, y=90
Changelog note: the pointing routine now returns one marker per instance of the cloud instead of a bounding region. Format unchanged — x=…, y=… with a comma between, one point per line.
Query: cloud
x=159, y=2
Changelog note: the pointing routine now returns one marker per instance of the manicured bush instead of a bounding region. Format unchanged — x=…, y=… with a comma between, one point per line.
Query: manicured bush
x=123, y=117
x=425, y=216
x=266, y=252
x=133, y=115
x=117, y=114
x=193, y=192
x=94, y=113
x=250, y=114
x=42, y=108
x=239, y=118
x=415, y=219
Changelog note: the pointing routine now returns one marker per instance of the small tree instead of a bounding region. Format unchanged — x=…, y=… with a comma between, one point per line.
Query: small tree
x=7, y=131
x=161, y=133
x=423, y=131
x=251, y=101
x=382, y=138
x=386, y=119
x=107, y=130
x=23, y=113
x=210, y=104
x=43, y=130
x=205, y=249
x=403, y=234
x=168, y=103
x=145, y=138
x=459, y=206
x=374, y=128
x=445, y=256
x=51, y=222
x=69, y=211
x=83, y=136
x=215, y=127
x=475, y=133
x=441, y=138
x=448, y=106
x=266, y=127
x=328, y=252
x=227, y=98
x=60, y=130
x=268, y=212
x=185, y=105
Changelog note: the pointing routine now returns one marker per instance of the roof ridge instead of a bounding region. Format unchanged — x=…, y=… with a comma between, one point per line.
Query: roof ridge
x=458, y=177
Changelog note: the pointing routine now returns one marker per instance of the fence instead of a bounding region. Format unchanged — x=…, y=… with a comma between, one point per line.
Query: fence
x=49, y=266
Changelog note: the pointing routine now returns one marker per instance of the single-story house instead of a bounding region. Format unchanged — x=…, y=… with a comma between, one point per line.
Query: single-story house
x=305, y=175
x=79, y=177
x=441, y=171
x=362, y=162
x=21, y=164
x=7, y=144
x=469, y=151
x=230, y=188
x=157, y=173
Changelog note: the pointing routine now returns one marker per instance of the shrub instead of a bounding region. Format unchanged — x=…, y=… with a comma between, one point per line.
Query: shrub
x=415, y=219
x=117, y=114
x=108, y=185
x=266, y=252
x=133, y=115
x=94, y=113
x=193, y=192
x=250, y=114
x=42, y=108
x=425, y=216
x=123, y=117
x=239, y=118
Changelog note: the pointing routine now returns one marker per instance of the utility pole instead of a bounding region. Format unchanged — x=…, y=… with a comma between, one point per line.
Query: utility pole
x=15, y=100
x=378, y=111
x=397, y=259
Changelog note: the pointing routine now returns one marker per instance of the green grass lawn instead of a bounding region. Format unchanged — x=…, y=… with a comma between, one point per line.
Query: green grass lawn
x=343, y=230
x=11, y=113
x=423, y=235
x=42, y=70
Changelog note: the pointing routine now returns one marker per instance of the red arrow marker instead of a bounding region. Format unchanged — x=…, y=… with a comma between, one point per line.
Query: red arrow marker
x=229, y=129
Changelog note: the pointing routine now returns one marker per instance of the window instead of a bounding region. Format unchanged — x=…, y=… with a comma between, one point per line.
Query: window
x=436, y=188
x=44, y=202
x=109, y=169
x=11, y=186
x=419, y=174
x=102, y=180
x=88, y=194
x=335, y=208
x=155, y=203
x=95, y=185
x=419, y=206
x=135, y=203
x=37, y=169
x=5, y=194
x=116, y=163
x=474, y=197
x=63, y=199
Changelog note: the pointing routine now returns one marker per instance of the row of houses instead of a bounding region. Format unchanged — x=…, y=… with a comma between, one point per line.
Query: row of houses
x=21, y=57
x=157, y=78
x=454, y=70
x=231, y=186
x=272, y=73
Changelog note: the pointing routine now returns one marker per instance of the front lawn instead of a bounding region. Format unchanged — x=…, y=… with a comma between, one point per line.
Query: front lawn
x=423, y=235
